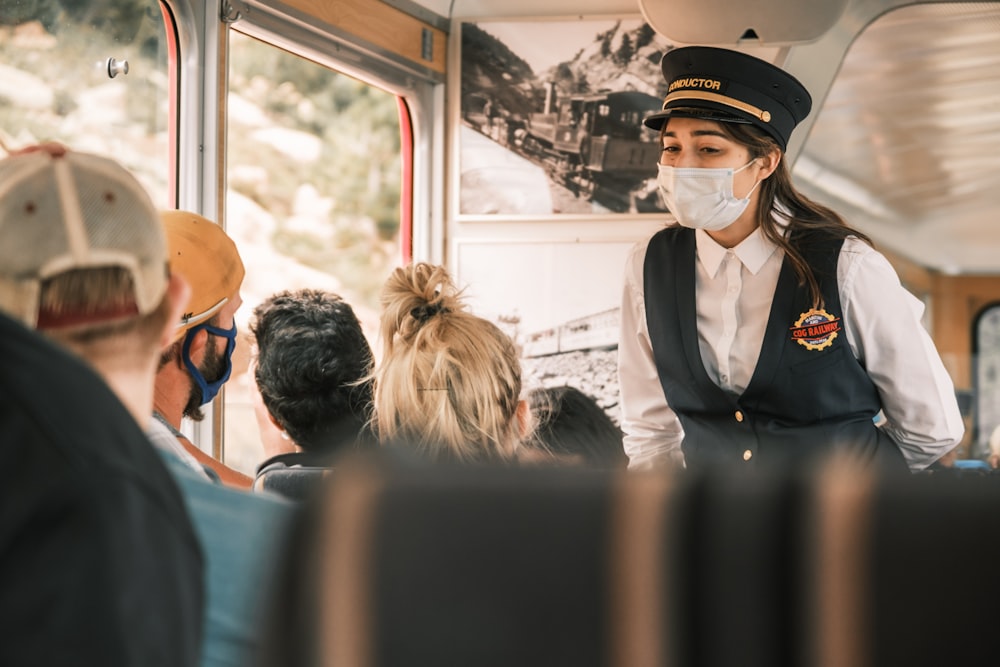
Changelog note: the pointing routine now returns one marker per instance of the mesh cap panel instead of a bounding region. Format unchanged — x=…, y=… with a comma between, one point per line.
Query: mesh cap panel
x=75, y=211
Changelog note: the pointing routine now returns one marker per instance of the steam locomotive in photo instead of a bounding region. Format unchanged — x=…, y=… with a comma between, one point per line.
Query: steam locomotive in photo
x=595, y=141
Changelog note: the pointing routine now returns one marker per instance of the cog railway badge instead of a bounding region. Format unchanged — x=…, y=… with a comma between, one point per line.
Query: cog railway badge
x=815, y=329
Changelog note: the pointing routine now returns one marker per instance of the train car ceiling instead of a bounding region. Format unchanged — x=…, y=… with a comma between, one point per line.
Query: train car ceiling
x=906, y=142
x=771, y=22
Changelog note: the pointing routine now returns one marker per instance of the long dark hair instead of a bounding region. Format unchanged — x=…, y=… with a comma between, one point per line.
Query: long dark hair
x=569, y=421
x=808, y=221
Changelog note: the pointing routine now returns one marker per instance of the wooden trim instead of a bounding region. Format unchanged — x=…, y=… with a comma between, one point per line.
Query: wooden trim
x=638, y=570
x=380, y=24
x=346, y=616
x=842, y=553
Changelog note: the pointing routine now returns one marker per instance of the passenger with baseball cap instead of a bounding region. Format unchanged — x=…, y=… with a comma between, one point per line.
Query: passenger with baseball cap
x=759, y=328
x=101, y=564
x=242, y=533
x=199, y=361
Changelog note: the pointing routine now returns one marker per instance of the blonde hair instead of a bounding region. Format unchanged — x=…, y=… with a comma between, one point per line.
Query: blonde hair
x=449, y=382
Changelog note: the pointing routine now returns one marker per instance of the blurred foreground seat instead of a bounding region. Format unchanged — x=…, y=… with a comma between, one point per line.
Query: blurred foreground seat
x=905, y=572
x=481, y=567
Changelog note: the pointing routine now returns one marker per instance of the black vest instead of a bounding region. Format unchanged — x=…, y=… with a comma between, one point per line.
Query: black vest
x=808, y=395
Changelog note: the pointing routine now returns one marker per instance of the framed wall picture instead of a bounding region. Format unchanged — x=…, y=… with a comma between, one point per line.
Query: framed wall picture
x=551, y=117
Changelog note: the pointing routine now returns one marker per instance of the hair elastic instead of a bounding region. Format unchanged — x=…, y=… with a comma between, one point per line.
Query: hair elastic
x=427, y=311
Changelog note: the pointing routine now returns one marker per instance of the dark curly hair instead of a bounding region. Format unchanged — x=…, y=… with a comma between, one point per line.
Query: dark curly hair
x=313, y=364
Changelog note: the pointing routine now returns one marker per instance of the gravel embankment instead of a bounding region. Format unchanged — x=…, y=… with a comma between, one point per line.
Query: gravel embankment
x=594, y=372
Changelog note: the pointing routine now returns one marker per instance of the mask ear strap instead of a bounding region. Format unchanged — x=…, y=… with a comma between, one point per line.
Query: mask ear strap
x=752, y=189
x=755, y=184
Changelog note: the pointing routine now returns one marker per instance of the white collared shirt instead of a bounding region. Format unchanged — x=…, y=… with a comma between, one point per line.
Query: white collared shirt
x=734, y=288
x=162, y=435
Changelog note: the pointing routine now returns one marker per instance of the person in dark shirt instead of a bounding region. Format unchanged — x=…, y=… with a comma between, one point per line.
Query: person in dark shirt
x=99, y=563
x=312, y=392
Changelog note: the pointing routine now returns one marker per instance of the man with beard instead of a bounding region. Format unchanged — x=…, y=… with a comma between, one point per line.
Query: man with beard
x=199, y=361
x=241, y=533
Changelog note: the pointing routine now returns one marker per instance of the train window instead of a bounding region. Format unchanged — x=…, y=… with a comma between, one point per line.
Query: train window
x=92, y=75
x=986, y=353
x=313, y=199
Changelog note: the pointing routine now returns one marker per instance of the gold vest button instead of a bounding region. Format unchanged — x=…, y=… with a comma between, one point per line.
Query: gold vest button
x=739, y=416
x=747, y=455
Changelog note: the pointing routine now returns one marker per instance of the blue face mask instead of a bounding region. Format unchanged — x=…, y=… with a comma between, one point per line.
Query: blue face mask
x=210, y=389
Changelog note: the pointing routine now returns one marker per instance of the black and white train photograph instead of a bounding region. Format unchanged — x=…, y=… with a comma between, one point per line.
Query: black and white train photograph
x=554, y=126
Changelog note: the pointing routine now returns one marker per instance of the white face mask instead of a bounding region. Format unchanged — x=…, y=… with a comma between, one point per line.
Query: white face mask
x=703, y=198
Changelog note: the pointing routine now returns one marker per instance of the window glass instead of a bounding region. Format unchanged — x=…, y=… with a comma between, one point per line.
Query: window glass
x=313, y=159
x=987, y=380
x=91, y=75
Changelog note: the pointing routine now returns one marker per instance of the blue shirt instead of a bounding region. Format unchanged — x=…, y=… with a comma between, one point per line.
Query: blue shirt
x=241, y=535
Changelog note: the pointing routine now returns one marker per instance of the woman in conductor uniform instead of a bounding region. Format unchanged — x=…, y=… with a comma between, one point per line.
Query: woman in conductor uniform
x=761, y=329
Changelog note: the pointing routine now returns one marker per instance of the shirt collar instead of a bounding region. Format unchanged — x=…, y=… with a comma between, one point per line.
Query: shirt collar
x=753, y=251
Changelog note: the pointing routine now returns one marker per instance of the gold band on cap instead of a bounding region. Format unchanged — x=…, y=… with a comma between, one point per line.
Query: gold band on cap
x=721, y=99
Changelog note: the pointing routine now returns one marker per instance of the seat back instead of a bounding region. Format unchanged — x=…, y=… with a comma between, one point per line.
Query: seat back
x=905, y=570
x=487, y=566
x=477, y=566
x=296, y=483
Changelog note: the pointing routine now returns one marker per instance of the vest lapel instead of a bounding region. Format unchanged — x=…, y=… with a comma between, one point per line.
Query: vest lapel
x=685, y=277
x=776, y=333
